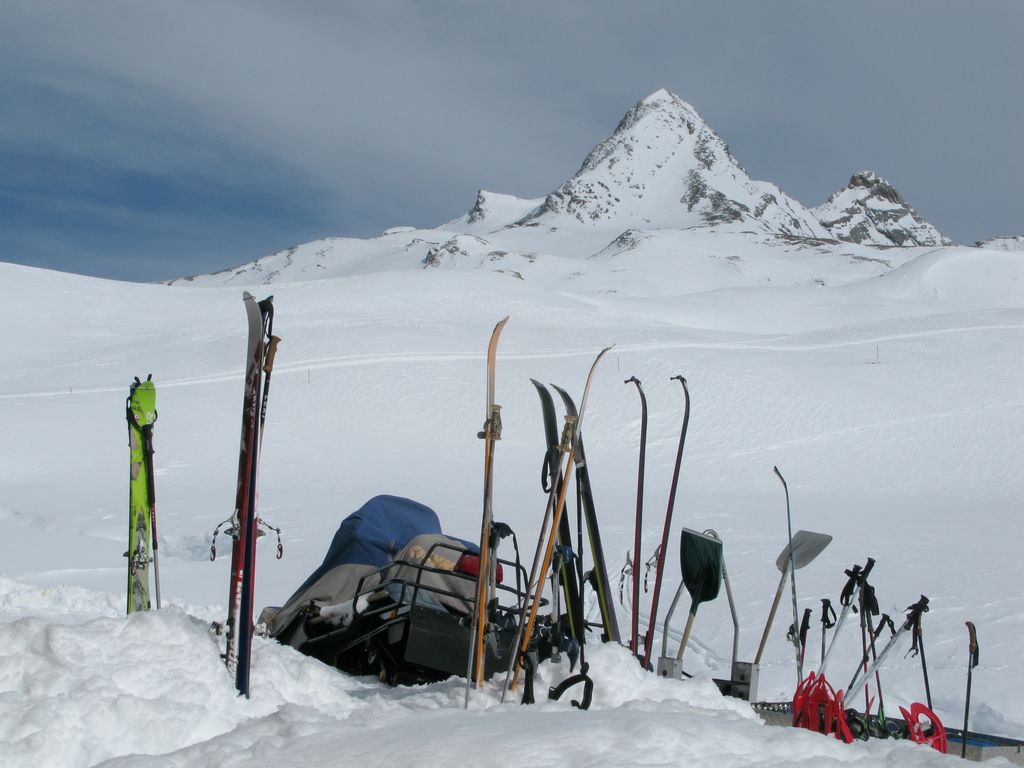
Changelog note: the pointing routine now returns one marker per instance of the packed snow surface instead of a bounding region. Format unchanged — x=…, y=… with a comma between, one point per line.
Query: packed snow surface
x=891, y=403
x=884, y=383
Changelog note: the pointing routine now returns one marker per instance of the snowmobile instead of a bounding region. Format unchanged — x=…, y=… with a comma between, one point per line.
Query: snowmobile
x=394, y=598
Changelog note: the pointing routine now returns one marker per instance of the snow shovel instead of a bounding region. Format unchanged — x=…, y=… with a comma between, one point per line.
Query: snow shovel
x=806, y=546
x=701, y=561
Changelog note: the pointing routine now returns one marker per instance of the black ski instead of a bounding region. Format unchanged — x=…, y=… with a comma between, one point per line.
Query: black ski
x=568, y=576
x=599, y=574
x=568, y=448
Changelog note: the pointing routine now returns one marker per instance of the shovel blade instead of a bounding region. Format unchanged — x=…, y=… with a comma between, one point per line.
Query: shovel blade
x=700, y=557
x=807, y=545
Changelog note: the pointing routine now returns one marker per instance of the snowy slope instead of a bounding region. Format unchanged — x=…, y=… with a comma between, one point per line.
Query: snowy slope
x=887, y=393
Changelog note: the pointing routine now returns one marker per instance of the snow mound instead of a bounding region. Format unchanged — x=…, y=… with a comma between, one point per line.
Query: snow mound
x=150, y=689
x=148, y=683
x=957, y=279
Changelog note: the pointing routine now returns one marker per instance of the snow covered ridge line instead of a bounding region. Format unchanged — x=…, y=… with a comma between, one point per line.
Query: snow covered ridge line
x=663, y=171
x=1003, y=243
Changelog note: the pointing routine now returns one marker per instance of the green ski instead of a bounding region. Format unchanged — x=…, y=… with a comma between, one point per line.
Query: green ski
x=142, y=541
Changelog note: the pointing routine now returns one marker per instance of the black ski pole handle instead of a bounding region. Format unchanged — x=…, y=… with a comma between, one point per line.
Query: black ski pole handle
x=867, y=569
x=828, y=614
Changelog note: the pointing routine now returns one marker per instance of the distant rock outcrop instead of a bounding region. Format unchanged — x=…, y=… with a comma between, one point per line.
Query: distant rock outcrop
x=870, y=211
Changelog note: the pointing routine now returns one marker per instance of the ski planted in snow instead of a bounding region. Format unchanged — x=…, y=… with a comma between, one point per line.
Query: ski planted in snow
x=585, y=498
x=140, y=411
x=244, y=524
x=547, y=537
x=634, y=631
x=486, y=574
x=663, y=547
x=568, y=577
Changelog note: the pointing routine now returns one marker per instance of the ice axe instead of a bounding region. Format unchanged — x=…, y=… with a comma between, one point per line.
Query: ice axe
x=802, y=549
x=972, y=662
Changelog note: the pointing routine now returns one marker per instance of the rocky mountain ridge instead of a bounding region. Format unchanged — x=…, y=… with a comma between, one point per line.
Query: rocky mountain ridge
x=661, y=180
x=870, y=211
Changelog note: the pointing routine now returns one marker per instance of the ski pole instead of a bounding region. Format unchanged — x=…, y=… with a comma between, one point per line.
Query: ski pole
x=856, y=574
x=805, y=626
x=792, y=579
x=634, y=634
x=919, y=644
x=972, y=662
x=828, y=620
x=147, y=442
x=868, y=608
x=913, y=614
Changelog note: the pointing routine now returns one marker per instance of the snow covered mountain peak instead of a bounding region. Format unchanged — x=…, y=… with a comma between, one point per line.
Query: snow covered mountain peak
x=664, y=167
x=870, y=211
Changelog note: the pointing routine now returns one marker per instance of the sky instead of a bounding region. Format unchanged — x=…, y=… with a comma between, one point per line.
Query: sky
x=146, y=141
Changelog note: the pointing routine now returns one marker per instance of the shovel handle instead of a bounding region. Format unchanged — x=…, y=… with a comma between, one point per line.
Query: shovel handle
x=686, y=636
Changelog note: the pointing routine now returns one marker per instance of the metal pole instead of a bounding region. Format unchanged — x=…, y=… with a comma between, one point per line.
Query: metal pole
x=792, y=579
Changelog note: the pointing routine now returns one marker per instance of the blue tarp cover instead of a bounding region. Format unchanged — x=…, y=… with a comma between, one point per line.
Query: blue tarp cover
x=375, y=533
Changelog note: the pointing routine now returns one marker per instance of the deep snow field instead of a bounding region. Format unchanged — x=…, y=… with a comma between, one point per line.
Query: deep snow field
x=892, y=403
